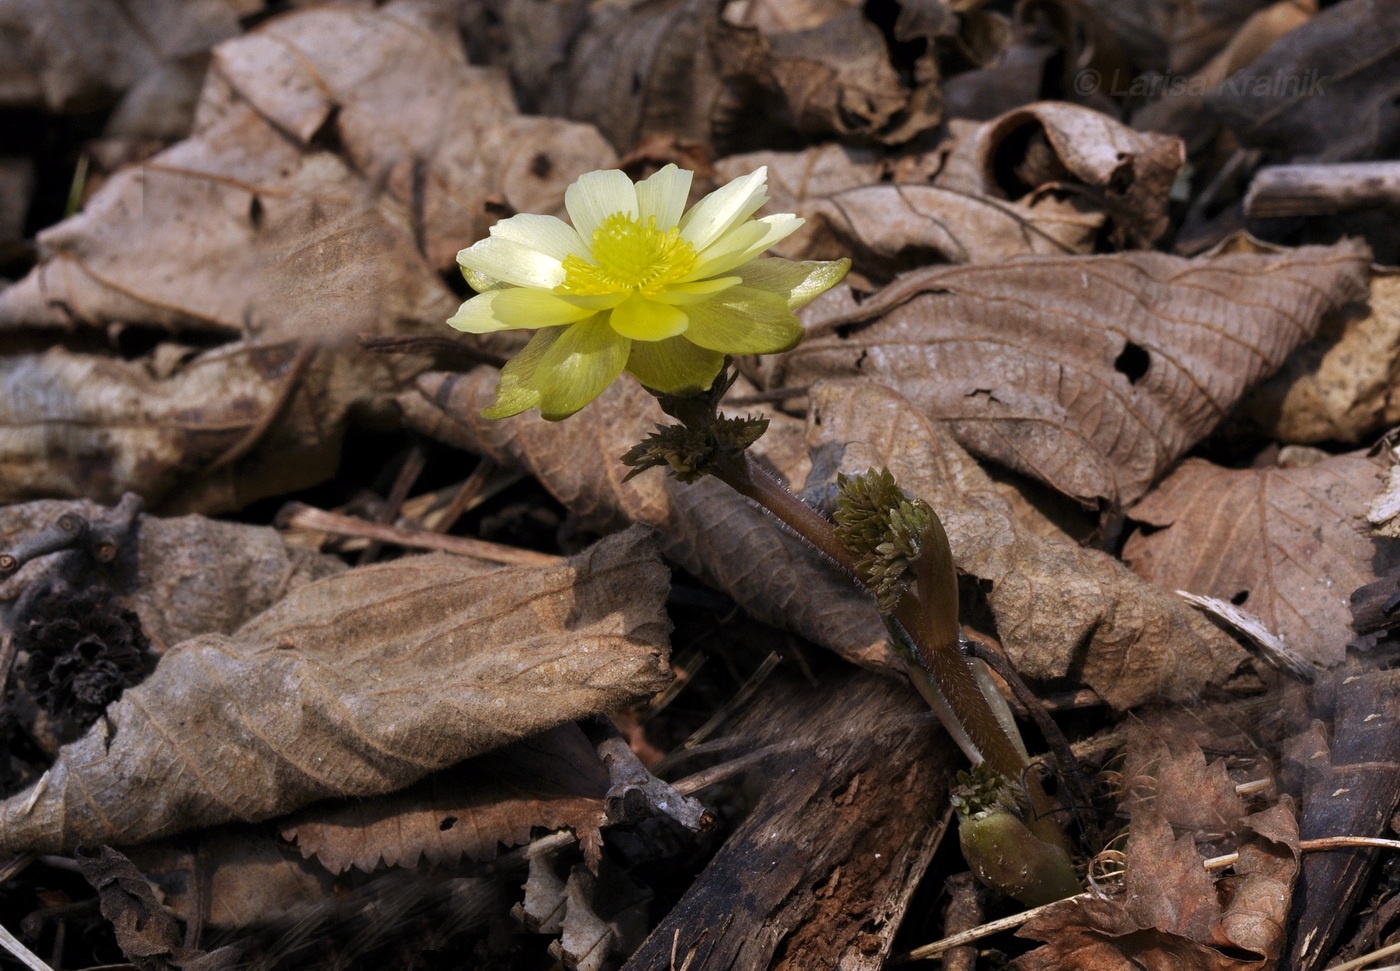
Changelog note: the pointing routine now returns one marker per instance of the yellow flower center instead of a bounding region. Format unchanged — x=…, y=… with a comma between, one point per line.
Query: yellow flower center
x=629, y=256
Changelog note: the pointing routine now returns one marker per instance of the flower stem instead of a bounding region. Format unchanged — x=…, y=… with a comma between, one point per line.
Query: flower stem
x=931, y=629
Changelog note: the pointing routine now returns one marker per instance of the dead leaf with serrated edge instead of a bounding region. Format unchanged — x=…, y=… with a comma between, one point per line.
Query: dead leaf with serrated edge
x=554, y=779
x=1289, y=544
x=1093, y=374
x=356, y=685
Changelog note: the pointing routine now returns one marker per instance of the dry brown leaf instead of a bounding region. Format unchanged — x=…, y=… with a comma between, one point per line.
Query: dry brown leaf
x=1345, y=385
x=785, y=16
x=355, y=685
x=551, y=780
x=70, y=55
x=885, y=216
x=1166, y=770
x=706, y=527
x=1289, y=544
x=849, y=78
x=1062, y=611
x=233, y=231
x=1171, y=914
x=390, y=91
x=210, y=433
x=1093, y=374
x=186, y=576
x=1052, y=147
x=308, y=201
x=635, y=70
x=234, y=876
x=1325, y=91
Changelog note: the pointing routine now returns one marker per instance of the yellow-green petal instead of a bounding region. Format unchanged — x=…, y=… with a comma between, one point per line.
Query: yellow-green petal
x=647, y=320
x=663, y=195
x=585, y=359
x=505, y=259
x=528, y=307
x=681, y=294
x=516, y=391
x=596, y=196
x=742, y=320
x=477, y=315
x=798, y=282
x=722, y=254
x=674, y=366
x=726, y=255
x=549, y=235
x=727, y=206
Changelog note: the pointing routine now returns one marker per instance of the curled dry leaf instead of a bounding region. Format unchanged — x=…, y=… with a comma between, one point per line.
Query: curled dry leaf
x=892, y=227
x=1344, y=386
x=355, y=685
x=70, y=55
x=1289, y=544
x=1050, y=147
x=634, y=70
x=1093, y=374
x=1325, y=91
x=851, y=77
x=707, y=528
x=552, y=780
x=187, y=575
x=1061, y=610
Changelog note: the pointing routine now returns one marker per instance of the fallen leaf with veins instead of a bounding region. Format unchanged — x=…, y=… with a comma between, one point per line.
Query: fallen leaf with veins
x=1093, y=374
x=1061, y=611
x=356, y=685
x=1289, y=544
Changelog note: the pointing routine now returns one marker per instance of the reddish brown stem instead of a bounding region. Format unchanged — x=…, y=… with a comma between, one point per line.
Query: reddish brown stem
x=934, y=632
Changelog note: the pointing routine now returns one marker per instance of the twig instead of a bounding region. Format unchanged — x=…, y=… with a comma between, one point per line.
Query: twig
x=298, y=515
x=21, y=953
x=984, y=930
x=1366, y=959
x=1214, y=863
x=1321, y=190
x=634, y=792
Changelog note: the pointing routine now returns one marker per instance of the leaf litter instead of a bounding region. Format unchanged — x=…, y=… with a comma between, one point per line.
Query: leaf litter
x=1053, y=332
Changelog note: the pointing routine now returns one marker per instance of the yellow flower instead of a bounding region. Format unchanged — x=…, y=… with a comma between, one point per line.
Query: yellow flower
x=636, y=284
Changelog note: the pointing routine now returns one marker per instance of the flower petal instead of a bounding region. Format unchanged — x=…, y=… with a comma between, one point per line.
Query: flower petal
x=742, y=320
x=680, y=294
x=528, y=307
x=648, y=320
x=709, y=218
x=549, y=235
x=798, y=283
x=516, y=391
x=578, y=366
x=478, y=315
x=595, y=197
x=674, y=366
x=663, y=195
x=743, y=243
x=506, y=260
